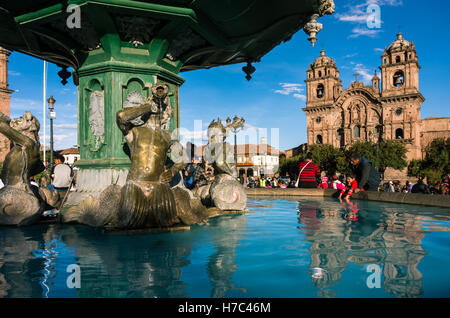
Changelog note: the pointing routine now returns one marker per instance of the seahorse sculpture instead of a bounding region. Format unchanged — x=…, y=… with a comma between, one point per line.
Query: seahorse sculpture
x=20, y=202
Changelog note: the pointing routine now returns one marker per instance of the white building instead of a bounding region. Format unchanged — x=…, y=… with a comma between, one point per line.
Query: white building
x=257, y=160
x=70, y=155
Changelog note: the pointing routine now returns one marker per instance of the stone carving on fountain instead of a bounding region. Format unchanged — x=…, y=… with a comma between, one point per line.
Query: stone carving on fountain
x=97, y=120
x=147, y=200
x=225, y=192
x=136, y=30
x=20, y=202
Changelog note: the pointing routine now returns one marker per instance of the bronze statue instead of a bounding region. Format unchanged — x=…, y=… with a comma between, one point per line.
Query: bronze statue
x=20, y=203
x=146, y=200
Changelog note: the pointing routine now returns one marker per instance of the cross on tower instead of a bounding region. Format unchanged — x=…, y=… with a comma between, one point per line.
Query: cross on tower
x=356, y=76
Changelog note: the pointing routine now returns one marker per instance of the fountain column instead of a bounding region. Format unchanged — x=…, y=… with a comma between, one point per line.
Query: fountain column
x=115, y=75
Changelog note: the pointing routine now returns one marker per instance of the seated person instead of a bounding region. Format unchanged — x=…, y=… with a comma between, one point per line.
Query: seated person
x=323, y=181
x=337, y=184
x=420, y=187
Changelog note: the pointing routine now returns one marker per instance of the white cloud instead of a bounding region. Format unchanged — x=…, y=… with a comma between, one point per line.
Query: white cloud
x=350, y=55
x=357, y=32
x=61, y=141
x=364, y=72
x=358, y=14
x=378, y=49
x=65, y=126
x=24, y=103
x=300, y=96
x=291, y=88
x=13, y=73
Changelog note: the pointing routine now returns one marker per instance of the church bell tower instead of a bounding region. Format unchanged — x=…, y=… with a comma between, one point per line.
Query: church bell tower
x=400, y=68
x=323, y=87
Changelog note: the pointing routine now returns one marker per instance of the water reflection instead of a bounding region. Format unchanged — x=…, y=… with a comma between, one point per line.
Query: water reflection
x=343, y=233
x=222, y=263
x=33, y=260
x=19, y=271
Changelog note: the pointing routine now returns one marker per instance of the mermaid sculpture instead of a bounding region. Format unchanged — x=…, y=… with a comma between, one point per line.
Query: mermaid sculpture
x=21, y=203
x=147, y=199
x=225, y=192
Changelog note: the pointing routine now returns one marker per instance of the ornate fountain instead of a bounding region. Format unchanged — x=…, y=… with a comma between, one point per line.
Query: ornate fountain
x=122, y=52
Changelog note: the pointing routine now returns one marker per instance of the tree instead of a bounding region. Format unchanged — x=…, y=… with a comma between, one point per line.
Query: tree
x=289, y=166
x=389, y=153
x=435, y=164
x=329, y=159
x=438, y=155
x=416, y=169
x=364, y=149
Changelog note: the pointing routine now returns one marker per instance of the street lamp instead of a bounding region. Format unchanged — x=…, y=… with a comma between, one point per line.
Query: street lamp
x=51, y=115
x=237, y=125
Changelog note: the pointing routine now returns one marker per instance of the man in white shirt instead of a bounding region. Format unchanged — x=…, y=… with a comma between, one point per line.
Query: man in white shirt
x=62, y=176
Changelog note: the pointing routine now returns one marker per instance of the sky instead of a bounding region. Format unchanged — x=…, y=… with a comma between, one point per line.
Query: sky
x=272, y=101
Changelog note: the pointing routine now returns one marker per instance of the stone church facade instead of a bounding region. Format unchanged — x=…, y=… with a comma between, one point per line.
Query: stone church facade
x=388, y=109
x=5, y=96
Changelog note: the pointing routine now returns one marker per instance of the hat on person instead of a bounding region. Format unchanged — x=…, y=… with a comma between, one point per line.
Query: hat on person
x=335, y=177
x=390, y=182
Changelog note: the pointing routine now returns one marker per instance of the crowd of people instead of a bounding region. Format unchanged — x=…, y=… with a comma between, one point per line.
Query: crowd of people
x=197, y=174
x=442, y=187
x=363, y=177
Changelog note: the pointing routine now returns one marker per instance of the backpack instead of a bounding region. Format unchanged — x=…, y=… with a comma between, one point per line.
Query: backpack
x=190, y=182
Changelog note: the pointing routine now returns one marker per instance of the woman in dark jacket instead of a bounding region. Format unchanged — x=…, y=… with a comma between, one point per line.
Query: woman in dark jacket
x=367, y=176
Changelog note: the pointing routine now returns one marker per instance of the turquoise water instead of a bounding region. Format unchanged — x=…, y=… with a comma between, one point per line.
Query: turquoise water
x=367, y=249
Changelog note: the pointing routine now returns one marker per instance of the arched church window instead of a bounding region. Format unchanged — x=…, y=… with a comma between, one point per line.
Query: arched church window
x=318, y=120
x=399, y=78
x=320, y=91
x=320, y=73
x=357, y=131
x=399, y=133
x=385, y=61
x=397, y=59
x=319, y=140
x=398, y=111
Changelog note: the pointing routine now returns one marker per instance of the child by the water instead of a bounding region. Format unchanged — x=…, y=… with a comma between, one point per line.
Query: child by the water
x=347, y=192
x=323, y=181
x=336, y=184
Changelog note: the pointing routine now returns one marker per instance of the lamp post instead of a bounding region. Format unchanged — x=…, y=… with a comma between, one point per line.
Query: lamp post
x=235, y=130
x=51, y=115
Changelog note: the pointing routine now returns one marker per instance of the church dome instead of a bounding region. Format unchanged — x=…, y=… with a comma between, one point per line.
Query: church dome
x=322, y=59
x=399, y=43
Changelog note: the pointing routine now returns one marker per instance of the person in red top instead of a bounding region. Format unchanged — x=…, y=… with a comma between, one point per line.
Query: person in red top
x=352, y=184
x=308, y=173
x=323, y=181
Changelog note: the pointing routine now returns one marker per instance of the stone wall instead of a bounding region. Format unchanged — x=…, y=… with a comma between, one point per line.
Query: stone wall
x=432, y=128
x=5, y=94
x=406, y=198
